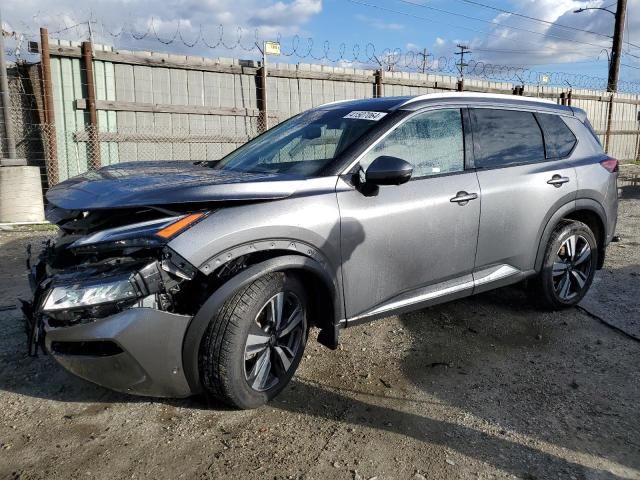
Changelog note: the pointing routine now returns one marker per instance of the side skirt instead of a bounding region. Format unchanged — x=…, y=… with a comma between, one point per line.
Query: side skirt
x=486, y=279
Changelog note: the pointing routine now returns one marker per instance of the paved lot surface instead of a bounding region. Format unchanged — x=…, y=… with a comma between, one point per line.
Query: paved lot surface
x=486, y=387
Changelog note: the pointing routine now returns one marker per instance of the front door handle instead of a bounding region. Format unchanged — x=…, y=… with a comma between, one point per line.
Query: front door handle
x=558, y=180
x=462, y=198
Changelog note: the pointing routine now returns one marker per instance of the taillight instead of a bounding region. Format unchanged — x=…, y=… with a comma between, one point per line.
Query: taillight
x=611, y=164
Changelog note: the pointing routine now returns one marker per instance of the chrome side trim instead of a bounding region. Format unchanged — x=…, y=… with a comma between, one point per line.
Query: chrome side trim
x=493, y=274
x=484, y=277
x=412, y=300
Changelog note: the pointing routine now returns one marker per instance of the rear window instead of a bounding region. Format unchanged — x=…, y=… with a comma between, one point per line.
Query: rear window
x=587, y=124
x=558, y=138
x=505, y=137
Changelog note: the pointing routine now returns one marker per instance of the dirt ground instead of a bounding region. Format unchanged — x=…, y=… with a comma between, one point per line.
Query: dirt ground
x=485, y=387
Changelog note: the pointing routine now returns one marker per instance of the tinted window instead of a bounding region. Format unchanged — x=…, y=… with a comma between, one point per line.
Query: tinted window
x=432, y=142
x=558, y=139
x=505, y=137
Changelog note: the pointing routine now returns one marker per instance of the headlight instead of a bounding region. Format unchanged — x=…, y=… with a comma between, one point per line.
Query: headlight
x=85, y=295
x=143, y=234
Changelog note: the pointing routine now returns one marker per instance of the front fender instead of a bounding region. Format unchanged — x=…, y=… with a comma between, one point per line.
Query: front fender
x=208, y=311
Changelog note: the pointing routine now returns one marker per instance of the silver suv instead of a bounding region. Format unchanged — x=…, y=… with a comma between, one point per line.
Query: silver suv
x=172, y=278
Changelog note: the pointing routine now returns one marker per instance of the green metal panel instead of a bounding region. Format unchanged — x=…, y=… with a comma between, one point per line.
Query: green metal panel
x=58, y=106
x=110, y=88
x=80, y=117
x=105, y=90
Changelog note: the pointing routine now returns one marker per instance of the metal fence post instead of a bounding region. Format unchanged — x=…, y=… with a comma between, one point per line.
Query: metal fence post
x=378, y=89
x=93, y=139
x=49, y=127
x=5, y=103
x=261, y=86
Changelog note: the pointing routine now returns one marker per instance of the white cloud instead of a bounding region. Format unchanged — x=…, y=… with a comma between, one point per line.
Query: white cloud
x=269, y=18
x=379, y=24
x=556, y=43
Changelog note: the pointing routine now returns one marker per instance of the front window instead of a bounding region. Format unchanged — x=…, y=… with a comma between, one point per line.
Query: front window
x=303, y=145
x=432, y=142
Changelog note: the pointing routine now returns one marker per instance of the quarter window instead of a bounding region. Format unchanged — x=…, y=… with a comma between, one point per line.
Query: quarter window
x=559, y=140
x=505, y=137
x=432, y=142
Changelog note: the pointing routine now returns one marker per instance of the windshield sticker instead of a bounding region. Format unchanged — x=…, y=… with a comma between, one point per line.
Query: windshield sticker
x=361, y=115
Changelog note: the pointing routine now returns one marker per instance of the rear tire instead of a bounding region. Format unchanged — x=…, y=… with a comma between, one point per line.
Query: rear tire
x=254, y=345
x=568, y=267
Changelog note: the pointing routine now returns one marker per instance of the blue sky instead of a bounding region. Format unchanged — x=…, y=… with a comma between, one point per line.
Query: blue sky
x=558, y=43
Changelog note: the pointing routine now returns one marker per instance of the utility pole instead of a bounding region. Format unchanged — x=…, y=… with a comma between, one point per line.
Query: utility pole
x=616, y=51
x=463, y=50
x=618, y=37
x=425, y=60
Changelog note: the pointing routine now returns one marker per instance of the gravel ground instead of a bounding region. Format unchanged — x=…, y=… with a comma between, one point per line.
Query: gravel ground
x=485, y=387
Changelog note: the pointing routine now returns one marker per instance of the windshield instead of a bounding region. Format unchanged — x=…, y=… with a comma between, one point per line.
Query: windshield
x=302, y=145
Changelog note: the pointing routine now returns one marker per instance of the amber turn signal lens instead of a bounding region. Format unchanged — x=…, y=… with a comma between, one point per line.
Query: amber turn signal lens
x=177, y=227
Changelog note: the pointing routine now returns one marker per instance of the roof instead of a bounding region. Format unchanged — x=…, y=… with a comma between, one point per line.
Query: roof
x=415, y=102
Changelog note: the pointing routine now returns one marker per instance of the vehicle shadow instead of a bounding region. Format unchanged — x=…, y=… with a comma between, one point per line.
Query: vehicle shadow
x=629, y=188
x=497, y=450
x=546, y=375
x=540, y=381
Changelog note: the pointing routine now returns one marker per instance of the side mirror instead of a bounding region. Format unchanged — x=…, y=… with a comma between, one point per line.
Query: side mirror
x=386, y=170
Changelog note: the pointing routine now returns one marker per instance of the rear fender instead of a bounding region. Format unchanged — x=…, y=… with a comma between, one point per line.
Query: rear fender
x=563, y=212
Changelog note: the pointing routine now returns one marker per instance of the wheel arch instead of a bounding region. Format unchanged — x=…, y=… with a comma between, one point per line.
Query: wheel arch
x=327, y=306
x=587, y=211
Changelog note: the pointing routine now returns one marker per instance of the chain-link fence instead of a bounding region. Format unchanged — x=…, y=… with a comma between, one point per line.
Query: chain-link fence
x=137, y=106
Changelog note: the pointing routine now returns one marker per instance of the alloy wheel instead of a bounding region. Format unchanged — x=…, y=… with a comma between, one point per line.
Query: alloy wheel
x=274, y=340
x=572, y=267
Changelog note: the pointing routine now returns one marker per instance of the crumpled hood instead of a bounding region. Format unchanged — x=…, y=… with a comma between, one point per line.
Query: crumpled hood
x=135, y=184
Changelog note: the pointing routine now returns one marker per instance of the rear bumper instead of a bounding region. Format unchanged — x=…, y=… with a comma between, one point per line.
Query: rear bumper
x=150, y=360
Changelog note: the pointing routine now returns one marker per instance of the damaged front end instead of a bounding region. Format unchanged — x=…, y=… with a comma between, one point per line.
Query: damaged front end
x=111, y=300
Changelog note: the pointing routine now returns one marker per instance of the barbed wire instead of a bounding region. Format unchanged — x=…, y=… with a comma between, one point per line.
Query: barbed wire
x=296, y=48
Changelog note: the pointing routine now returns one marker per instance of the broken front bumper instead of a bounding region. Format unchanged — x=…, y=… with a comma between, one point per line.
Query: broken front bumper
x=144, y=356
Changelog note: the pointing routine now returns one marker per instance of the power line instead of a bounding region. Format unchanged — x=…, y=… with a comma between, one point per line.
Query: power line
x=549, y=22
x=592, y=60
x=359, y=2
x=535, y=19
x=498, y=24
x=539, y=50
x=491, y=22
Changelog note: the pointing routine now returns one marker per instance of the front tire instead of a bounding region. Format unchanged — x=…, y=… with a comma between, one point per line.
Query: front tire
x=252, y=348
x=568, y=267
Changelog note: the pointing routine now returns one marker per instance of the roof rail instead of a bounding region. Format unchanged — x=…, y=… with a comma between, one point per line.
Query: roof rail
x=497, y=96
x=336, y=101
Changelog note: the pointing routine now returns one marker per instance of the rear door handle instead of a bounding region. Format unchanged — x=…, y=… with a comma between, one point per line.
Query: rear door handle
x=462, y=198
x=558, y=180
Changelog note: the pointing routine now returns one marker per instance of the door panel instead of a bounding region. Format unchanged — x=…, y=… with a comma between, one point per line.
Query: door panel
x=406, y=238
x=521, y=188
x=516, y=205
